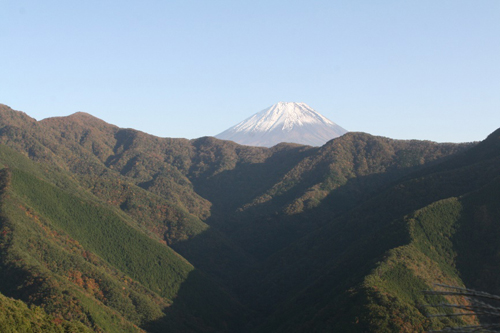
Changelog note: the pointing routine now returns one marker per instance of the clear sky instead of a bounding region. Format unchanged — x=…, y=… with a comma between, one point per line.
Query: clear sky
x=421, y=69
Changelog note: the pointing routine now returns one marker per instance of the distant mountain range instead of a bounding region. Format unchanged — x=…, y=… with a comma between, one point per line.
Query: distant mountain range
x=106, y=229
x=284, y=122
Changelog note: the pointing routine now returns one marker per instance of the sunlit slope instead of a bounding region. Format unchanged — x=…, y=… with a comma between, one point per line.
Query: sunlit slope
x=85, y=147
x=82, y=260
x=102, y=231
x=15, y=316
x=42, y=265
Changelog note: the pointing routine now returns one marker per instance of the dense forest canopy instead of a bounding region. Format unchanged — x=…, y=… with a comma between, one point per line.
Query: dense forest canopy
x=107, y=229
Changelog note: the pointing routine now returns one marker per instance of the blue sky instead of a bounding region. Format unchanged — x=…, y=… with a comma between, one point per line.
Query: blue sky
x=402, y=69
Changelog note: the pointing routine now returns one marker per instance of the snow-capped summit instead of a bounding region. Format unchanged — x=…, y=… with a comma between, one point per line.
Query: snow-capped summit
x=284, y=122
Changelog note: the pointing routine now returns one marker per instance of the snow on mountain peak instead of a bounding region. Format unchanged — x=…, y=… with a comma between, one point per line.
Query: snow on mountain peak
x=283, y=115
x=284, y=122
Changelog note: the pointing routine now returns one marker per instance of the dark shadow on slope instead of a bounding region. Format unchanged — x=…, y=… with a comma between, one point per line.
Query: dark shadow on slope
x=312, y=277
x=325, y=244
x=200, y=306
x=477, y=240
x=315, y=290
x=230, y=189
x=266, y=222
x=238, y=242
x=215, y=254
x=124, y=140
x=264, y=229
x=405, y=197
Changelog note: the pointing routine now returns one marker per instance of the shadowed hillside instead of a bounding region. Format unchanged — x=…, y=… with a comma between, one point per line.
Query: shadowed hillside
x=114, y=230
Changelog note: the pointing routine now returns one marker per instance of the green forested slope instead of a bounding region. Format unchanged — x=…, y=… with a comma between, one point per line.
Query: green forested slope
x=121, y=231
x=101, y=231
x=322, y=184
x=82, y=261
x=365, y=269
x=16, y=317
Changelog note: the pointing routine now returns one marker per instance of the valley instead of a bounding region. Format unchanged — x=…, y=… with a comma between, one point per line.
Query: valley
x=105, y=229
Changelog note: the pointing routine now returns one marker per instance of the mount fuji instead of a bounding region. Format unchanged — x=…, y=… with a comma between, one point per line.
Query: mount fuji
x=284, y=122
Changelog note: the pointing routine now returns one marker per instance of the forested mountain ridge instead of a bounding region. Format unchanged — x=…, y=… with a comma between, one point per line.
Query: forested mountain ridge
x=380, y=255
x=289, y=238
